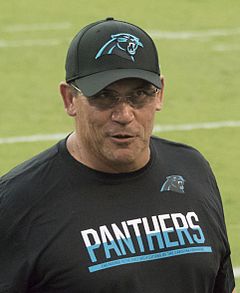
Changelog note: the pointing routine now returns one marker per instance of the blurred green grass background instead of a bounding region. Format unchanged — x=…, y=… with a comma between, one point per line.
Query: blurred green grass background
x=201, y=73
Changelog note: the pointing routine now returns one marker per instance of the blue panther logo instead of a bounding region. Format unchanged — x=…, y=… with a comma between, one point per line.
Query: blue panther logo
x=174, y=183
x=123, y=45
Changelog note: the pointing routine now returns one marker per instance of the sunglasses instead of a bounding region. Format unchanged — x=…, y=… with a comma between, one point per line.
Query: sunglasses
x=107, y=99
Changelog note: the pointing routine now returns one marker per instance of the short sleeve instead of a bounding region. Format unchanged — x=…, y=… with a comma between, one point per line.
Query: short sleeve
x=225, y=282
x=225, y=279
x=13, y=259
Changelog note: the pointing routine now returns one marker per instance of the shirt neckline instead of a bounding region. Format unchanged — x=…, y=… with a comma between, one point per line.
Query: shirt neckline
x=79, y=169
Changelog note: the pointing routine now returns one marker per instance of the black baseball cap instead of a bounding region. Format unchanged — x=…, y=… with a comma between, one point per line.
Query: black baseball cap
x=109, y=50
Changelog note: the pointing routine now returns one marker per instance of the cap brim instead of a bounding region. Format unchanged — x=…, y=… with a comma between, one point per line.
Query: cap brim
x=92, y=84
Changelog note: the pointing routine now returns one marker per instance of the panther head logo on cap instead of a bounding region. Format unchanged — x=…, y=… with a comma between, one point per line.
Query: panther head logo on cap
x=123, y=45
x=174, y=183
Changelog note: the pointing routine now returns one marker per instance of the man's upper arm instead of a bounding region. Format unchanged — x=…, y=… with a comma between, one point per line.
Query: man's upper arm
x=13, y=257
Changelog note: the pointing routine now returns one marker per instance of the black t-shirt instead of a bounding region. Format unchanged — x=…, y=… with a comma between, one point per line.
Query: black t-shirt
x=67, y=228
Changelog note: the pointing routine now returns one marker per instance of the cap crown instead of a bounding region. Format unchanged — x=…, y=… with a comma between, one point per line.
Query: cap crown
x=110, y=45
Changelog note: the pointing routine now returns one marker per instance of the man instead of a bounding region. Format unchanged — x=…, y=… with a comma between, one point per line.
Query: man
x=112, y=208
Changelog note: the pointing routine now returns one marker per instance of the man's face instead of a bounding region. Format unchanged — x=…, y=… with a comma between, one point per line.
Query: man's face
x=116, y=139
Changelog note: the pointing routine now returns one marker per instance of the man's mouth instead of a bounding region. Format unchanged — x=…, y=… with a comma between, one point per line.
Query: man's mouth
x=122, y=137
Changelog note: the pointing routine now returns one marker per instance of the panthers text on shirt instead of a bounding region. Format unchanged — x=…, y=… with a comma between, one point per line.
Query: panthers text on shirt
x=144, y=239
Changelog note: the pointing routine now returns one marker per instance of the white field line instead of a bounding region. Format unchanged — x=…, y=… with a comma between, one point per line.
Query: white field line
x=236, y=271
x=156, y=34
x=57, y=42
x=29, y=43
x=36, y=27
x=186, y=35
x=157, y=128
x=32, y=138
x=188, y=127
x=223, y=48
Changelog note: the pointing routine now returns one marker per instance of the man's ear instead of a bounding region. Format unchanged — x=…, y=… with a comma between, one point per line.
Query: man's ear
x=160, y=96
x=68, y=98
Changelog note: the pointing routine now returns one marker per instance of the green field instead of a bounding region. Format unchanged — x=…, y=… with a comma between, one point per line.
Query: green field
x=200, y=63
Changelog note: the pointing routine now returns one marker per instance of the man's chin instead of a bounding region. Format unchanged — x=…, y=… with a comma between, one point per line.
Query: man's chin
x=128, y=160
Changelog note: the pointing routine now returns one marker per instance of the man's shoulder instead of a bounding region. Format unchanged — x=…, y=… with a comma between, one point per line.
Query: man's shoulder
x=26, y=185
x=31, y=164
x=173, y=145
x=177, y=151
x=24, y=177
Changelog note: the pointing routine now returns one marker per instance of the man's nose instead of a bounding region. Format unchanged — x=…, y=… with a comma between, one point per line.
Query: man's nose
x=123, y=113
